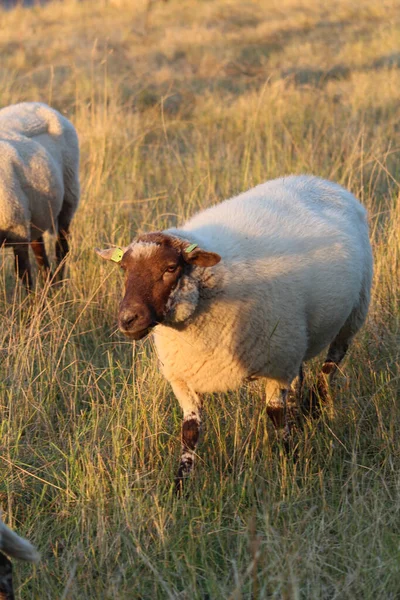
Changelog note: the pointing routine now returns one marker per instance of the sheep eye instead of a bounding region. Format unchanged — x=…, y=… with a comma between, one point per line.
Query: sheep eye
x=171, y=269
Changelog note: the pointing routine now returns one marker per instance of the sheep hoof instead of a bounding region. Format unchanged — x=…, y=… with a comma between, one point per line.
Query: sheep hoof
x=180, y=483
x=180, y=490
x=178, y=487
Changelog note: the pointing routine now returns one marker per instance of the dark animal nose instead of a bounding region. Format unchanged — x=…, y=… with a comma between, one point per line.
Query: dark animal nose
x=127, y=318
x=134, y=318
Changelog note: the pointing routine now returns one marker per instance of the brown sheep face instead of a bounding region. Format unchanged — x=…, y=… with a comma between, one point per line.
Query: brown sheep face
x=158, y=283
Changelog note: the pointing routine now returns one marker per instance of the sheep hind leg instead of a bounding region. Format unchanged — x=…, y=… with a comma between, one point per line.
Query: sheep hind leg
x=190, y=405
x=64, y=222
x=39, y=251
x=320, y=395
x=62, y=249
x=6, y=584
x=338, y=348
x=279, y=410
x=22, y=264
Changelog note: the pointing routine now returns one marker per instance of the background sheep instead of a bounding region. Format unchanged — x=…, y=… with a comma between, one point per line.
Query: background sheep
x=294, y=278
x=39, y=182
x=16, y=547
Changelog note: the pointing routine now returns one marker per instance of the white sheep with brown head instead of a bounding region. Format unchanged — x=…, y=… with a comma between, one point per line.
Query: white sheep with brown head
x=250, y=289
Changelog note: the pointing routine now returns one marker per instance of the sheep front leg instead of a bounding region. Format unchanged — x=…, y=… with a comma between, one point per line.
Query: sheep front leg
x=39, y=251
x=190, y=404
x=62, y=249
x=22, y=264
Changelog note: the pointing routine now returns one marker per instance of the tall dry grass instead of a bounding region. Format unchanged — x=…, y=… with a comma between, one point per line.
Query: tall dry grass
x=177, y=106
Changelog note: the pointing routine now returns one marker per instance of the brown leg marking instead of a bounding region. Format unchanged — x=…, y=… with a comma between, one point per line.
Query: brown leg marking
x=62, y=249
x=22, y=264
x=190, y=437
x=277, y=415
x=335, y=356
x=39, y=251
x=6, y=585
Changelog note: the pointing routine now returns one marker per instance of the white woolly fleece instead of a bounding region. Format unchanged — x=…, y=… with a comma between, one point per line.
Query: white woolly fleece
x=296, y=267
x=39, y=170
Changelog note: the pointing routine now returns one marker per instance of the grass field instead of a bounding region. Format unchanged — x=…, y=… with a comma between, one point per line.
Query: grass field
x=179, y=105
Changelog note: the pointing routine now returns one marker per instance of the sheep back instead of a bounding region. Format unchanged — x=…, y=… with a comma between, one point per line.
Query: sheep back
x=39, y=169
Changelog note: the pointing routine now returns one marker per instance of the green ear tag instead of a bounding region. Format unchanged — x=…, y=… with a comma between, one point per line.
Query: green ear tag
x=117, y=255
x=191, y=248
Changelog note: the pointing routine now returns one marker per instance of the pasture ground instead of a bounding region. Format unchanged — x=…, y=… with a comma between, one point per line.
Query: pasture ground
x=179, y=105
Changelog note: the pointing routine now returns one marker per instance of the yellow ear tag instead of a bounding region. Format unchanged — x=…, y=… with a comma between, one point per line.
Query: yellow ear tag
x=191, y=248
x=117, y=255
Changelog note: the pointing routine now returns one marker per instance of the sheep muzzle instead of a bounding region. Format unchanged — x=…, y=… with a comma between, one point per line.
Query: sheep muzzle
x=135, y=320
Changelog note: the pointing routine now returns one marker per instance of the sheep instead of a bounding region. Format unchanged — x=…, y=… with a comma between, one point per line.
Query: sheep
x=39, y=183
x=16, y=547
x=250, y=288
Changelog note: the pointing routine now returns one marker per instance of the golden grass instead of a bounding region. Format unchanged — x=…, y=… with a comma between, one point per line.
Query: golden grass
x=179, y=105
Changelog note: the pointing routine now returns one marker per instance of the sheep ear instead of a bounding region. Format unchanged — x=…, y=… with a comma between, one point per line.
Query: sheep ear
x=113, y=254
x=201, y=258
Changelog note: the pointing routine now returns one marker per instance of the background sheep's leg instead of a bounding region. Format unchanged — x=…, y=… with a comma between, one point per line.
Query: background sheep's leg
x=62, y=249
x=191, y=406
x=6, y=586
x=70, y=203
x=39, y=251
x=22, y=264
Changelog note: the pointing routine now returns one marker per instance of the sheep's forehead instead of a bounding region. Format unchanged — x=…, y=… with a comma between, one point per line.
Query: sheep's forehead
x=143, y=250
x=151, y=254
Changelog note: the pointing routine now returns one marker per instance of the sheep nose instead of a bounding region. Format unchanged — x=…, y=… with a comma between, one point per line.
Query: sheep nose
x=129, y=316
x=134, y=317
